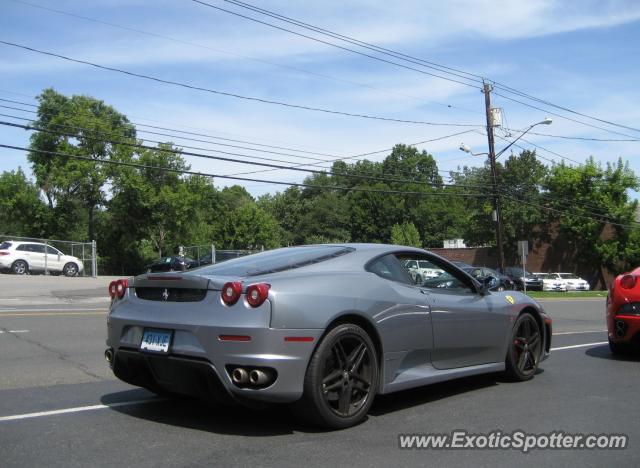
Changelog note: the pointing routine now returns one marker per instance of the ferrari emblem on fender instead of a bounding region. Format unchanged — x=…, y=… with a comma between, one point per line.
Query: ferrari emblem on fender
x=165, y=295
x=510, y=299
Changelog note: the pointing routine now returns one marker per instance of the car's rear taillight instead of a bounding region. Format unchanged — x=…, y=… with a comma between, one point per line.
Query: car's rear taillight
x=257, y=294
x=231, y=292
x=118, y=288
x=628, y=281
x=4, y=252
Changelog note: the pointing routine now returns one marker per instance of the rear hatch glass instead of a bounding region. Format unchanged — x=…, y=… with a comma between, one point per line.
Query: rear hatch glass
x=5, y=245
x=276, y=260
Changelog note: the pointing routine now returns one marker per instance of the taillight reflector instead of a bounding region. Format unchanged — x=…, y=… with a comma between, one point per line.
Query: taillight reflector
x=231, y=292
x=257, y=294
x=299, y=339
x=234, y=338
x=4, y=252
x=628, y=281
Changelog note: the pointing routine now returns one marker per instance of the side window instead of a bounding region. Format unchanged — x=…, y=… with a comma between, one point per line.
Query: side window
x=388, y=267
x=23, y=248
x=419, y=268
x=52, y=251
x=436, y=274
x=36, y=248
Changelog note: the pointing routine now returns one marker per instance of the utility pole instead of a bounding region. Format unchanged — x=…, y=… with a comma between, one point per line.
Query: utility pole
x=492, y=160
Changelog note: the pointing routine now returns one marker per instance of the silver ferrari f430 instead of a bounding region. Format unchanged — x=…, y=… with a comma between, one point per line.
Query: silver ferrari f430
x=324, y=328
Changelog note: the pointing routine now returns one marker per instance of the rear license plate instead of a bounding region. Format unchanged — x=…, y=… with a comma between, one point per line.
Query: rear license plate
x=156, y=341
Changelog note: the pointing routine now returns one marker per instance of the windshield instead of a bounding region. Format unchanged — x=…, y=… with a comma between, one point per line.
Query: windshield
x=569, y=276
x=276, y=260
x=5, y=245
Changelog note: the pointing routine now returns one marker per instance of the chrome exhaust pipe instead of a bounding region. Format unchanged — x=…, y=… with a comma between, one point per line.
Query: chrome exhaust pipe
x=108, y=355
x=240, y=376
x=258, y=377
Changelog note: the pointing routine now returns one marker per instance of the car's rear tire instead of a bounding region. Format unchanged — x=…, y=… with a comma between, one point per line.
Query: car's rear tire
x=525, y=349
x=341, y=379
x=617, y=348
x=70, y=269
x=20, y=267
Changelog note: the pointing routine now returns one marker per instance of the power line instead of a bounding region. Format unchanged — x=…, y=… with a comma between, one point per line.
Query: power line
x=322, y=161
x=204, y=174
x=563, y=137
x=214, y=137
x=226, y=159
x=234, y=95
x=245, y=57
x=542, y=101
x=562, y=116
x=399, y=55
x=336, y=45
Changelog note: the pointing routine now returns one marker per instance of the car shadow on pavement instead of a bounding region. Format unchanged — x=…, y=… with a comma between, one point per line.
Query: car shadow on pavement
x=603, y=352
x=390, y=403
x=203, y=416
x=275, y=420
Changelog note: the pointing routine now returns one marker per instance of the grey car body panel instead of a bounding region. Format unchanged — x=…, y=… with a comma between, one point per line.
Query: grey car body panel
x=425, y=335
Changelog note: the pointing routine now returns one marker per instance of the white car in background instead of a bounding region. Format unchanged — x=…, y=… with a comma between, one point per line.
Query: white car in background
x=573, y=281
x=421, y=270
x=22, y=257
x=551, y=282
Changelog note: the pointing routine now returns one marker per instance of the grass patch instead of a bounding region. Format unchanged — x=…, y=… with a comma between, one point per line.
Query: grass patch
x=566, y=295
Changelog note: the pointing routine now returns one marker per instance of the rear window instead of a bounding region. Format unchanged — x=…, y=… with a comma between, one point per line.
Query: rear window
x=5, y=245
x=276, y=260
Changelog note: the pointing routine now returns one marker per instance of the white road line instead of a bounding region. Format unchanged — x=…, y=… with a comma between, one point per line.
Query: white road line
x=75, y=410
x=578, y=332
x=584, y=345
x=18, y=331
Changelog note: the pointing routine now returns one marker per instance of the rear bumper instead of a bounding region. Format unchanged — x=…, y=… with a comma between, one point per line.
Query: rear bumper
x=624, y=329
x=199, y=363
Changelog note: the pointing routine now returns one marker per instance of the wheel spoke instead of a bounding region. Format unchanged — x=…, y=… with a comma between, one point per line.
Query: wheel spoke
x=360, y=383
x=358, y=358
x=535, y=338
x=344, y=403
x=526, y=328
x=522, y=360
x=531, y=360
x=336, y=374
x=341, y=356
x=332, y=387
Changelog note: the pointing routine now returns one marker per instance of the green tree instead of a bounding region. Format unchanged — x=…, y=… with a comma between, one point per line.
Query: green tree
x=405, y=234
x=80, y=126
x=22, y=212
x=595, y=214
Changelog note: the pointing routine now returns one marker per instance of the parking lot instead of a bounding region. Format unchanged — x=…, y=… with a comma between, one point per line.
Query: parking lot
x=60, y=405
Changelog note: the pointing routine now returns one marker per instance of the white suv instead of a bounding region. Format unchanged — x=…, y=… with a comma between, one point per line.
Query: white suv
x=22, y=257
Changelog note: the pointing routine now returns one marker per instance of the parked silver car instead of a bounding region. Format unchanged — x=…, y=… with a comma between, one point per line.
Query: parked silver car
x=323, y=327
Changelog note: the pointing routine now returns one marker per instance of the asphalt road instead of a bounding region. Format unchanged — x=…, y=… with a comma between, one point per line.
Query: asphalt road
x=51, y=364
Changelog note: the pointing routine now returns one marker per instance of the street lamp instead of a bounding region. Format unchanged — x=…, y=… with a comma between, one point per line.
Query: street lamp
x=496, y=195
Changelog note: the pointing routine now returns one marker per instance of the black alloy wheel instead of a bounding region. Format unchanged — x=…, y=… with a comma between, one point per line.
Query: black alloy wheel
x=341, y=379
x=525, y=348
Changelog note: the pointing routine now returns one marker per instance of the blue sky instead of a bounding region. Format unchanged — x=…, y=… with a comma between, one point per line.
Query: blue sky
x=579, y=54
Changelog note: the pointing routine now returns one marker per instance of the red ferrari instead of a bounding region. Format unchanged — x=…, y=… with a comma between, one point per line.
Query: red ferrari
x=623, y=312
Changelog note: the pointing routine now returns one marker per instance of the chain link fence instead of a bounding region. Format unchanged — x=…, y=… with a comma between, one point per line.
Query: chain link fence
x=51, y=256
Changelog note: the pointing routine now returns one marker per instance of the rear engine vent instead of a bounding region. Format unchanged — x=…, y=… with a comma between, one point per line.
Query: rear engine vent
x=171, y=294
